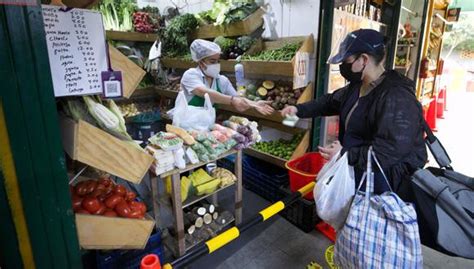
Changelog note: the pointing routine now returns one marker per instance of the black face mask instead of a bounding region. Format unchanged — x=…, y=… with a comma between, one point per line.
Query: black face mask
x=346, y=71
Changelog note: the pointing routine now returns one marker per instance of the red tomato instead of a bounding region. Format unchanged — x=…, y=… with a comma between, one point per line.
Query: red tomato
x=100, y=187
x=113, y=200
x=105, y=181
x=110, y=213
x=130, y=196
x=91, y=204
x=76, y=202
x=83, y=211
x=91, y=186
x=138, y=206
x=123, y=210
x=101, y=210
x=109, y=189
x=120, y=190
x=136, y=215
x=81, y=188
x=97, y=193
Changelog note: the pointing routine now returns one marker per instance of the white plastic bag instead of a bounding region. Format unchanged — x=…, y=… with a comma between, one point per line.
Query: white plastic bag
x=192, y=117
x=334, y=191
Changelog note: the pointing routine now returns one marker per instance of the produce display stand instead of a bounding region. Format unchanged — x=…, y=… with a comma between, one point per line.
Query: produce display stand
x=178, y=205
x=243, y=27
x=131, y=36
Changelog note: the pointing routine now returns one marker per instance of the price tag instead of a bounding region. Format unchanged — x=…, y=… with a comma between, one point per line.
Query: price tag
x=300, y=71
x=112, y=84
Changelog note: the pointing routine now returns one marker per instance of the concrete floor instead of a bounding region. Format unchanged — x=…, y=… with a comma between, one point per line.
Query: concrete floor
x=278, y=244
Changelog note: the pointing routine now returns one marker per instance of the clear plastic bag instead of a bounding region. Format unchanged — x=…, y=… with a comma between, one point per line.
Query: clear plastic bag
x=334, y=191
x=192, y=117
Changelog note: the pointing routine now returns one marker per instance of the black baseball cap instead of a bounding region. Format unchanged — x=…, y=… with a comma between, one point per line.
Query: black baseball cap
x=360, y=41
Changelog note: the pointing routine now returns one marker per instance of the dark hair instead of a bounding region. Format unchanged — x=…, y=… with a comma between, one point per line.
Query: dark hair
x=378, y=55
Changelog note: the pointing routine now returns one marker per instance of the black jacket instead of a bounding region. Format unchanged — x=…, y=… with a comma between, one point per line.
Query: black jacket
x=395, y=122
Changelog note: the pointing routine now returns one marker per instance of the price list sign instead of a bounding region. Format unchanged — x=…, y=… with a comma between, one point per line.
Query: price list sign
x=76, y=49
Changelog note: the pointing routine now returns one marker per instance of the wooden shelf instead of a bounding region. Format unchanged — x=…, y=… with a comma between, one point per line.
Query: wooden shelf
x=269, y=68
x=220, y=230
x=243, y=27
x=266, y=157
x=166, y=93
x=194, y=166
x=194, y=199
x=131, y=36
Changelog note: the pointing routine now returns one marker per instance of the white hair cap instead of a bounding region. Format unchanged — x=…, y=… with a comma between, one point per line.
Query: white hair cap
x=201, y=49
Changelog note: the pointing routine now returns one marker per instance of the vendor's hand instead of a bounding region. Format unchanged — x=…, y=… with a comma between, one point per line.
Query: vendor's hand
x=264, y=108
x=240, y=104
x=289, y=111
x=329, y=151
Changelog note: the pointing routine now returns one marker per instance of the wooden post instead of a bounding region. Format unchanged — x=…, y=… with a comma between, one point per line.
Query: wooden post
x=178, y=212
x=238, y=189
x=155, y=200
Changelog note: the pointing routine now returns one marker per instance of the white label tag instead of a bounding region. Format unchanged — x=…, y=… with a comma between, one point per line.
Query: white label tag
x=112, y=88
x=300, y=72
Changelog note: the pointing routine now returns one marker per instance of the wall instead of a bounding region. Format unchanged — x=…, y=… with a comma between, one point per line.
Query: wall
x=293, y=17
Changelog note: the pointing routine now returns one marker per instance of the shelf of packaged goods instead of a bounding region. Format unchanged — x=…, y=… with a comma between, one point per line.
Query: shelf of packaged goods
x=131, y=36
x=270, y=68
x=194, y=199
x=194, y=166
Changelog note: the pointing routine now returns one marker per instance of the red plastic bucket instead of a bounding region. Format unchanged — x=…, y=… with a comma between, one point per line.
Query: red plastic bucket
x=303, y=170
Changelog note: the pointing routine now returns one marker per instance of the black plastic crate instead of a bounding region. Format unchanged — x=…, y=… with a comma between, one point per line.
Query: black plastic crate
x=130, y=259
x=227, y=162
x=301, y=213
x=263, y=178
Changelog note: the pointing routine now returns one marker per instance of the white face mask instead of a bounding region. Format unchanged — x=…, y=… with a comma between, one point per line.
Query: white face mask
x=213, y=70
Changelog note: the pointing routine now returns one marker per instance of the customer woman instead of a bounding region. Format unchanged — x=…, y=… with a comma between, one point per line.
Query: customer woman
x=377, y=108
x=206, y=79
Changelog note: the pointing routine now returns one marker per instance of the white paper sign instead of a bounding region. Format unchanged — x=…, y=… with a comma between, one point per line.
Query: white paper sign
x=76, y=49
x=300, y=71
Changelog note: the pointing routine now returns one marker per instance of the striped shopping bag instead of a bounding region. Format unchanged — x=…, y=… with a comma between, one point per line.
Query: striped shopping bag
x=381, y=231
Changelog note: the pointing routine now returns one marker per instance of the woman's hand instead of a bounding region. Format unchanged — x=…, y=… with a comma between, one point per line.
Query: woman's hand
x=289, y=111
x=264, y=108
x=240, y=104
x=331, y=150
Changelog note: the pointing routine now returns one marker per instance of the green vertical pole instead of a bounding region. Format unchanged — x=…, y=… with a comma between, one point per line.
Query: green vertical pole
x=32, y=124
x=322, y=71
x=391, y=18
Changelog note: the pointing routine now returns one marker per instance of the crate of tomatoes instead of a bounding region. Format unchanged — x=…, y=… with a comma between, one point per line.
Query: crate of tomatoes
x=108, y=216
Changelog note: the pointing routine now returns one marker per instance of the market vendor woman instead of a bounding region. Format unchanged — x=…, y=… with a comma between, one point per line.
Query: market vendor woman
x=206, y=78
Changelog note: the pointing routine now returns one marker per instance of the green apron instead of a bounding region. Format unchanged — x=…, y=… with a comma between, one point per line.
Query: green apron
x=199, y=101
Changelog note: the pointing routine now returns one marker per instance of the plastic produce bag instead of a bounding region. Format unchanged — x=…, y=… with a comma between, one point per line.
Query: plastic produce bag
x=192, y=117
x=334, y=191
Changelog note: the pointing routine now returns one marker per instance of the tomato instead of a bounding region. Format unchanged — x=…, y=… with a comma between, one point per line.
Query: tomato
x=113, y=200
x=76, y=202
x=80, y=188
x=83, y=211
x=105, y=181
x=96, y=193
x=120, y=190
x=100, y=187
x=138, y=206
x=136, y=215
x=91, y=204
x=109, y=189
x=110, y=213
x=101, y=210
x=91, y=186
x=130, y=196
x=123, y=210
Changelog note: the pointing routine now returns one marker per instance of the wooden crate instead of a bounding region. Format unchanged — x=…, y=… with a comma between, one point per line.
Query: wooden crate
x=243, y=27
x=93, y=146
x=100, y=232
x=299, y=151
x=132, y=74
